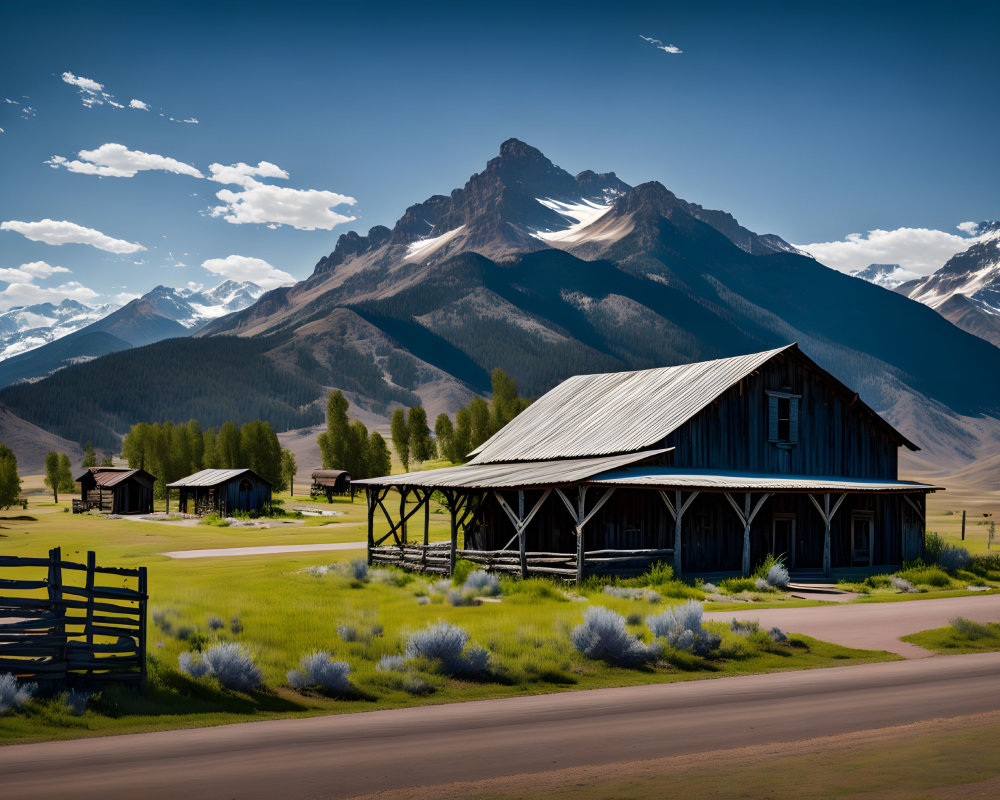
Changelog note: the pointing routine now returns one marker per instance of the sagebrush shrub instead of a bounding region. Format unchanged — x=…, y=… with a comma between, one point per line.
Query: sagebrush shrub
x=235, y=626
x=744, y=627
x=445, y=643
x=347, y=633
x=777, y=635
x=681, y=627
x=391, y=664
x=215, y=623
x=356, y=569
x=969, y=629
x=603, y=636
x=76, y=701
x=633, y=594
x=483, y=583
x=901, y=584
x=777, y=576
x=14, y=694
x=230, y=663
x=952, y=557
x=316, y=669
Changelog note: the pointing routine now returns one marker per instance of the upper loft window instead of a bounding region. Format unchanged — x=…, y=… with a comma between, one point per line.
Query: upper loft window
x=783, y=418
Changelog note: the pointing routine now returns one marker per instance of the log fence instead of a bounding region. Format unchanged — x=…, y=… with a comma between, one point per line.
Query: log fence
x=435, y=558
x=58, y=631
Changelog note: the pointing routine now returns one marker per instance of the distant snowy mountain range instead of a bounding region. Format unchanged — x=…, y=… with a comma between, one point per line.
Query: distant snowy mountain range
x=27, y=327
x=965, y=291
x=37, y=340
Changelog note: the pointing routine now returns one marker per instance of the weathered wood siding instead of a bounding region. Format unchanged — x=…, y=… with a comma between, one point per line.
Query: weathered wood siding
x=835, y=435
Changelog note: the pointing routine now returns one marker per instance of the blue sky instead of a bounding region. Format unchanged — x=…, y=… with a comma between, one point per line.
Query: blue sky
x=813, y=121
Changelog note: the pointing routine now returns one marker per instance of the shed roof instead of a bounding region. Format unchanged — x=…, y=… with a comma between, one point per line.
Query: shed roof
x=500, y=476
x=112, y=476
x=213, y=477
x=619, y=412
x=719, y=480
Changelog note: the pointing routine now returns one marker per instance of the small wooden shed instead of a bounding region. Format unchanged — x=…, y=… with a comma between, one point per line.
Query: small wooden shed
x=330, y=482
x=117, y=490
x=224, y=491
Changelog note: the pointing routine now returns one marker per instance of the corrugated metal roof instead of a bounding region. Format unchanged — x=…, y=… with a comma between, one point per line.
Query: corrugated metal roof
x=615, y=412
x=499, y=476
x=328, y=473
x=110, y=476
x=709, y=480
x=210, y=477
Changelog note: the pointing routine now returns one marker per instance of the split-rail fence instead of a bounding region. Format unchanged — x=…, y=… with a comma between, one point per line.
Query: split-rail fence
x=60, y=626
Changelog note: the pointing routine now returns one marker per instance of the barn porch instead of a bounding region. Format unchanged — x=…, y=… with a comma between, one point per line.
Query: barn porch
x=619, y=519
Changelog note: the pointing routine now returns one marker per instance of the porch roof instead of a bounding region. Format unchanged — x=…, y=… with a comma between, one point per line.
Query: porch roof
x=519, y=475
x=721, y=480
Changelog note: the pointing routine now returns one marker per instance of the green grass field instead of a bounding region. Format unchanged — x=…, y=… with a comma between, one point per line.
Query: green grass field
x=286, y=613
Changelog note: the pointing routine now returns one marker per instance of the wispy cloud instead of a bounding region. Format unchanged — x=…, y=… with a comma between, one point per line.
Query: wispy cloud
x=666, y=48
x=918, y=250
x=971, y=228
x=92, y=93
x=60, y=232
x=266, y=204
x=245, y=268
x=113, y=160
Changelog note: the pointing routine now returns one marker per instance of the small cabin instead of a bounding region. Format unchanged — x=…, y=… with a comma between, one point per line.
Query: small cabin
x=115, y=490
x=222, y=491
x=330, y=482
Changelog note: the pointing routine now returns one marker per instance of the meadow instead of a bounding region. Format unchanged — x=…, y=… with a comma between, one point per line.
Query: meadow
x=281, y=608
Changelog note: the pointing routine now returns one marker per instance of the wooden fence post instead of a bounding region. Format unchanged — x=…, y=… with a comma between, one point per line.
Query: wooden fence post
x=56, y=598
x=143, y=599
x=91, y=567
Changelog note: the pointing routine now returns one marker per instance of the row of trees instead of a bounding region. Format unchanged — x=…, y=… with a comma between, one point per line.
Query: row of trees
x=479, y=420
x=348, y=445
x=171, y=451
x=10, y=481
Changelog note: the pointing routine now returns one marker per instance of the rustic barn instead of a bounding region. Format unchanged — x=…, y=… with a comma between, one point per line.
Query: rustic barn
x=710, y=466
x=330, y=482
x=117, y=490
x=224, y=491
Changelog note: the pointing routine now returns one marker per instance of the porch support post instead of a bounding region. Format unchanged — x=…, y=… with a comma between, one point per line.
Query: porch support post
x=827, y=513
x=452, y=497
x=370, y=498
x=427, y=518
x=581, y=500
x=580, y=519
x=746, y=516
x=403, y=492
x=677, y=509
x=521, y=537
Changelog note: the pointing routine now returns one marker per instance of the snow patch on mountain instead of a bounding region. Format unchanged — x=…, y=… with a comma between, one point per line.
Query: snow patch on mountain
x=888, y=276
x=423, y=248
x=26, y=327
x=579, y=215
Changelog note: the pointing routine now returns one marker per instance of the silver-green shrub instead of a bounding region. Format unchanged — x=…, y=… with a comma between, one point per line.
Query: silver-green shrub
x=681, y=627
x=14, y=694
x=603, y=636
x=317, y=669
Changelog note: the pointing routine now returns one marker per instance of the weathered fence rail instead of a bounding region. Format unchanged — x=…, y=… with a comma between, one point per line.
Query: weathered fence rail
x=73, y=631
x=436, y=558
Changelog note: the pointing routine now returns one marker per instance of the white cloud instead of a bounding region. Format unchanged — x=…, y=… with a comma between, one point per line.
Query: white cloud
x=190, y=121
x=60, y=232
x=666, y=48
x=126, y=297
x=26, y=273
x=256, y=202
x=970, y=228
x=243, y=174
x=133, y=103
x=244, y=268
x=26, y=294
x=91, y=92
x=1, y=130
x=918, y=250
x=117, y=161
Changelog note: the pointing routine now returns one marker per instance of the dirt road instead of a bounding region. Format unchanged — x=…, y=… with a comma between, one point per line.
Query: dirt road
x=343, y=756
x=872, y=626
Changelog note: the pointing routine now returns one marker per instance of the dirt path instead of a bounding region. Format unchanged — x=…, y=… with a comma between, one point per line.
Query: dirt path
x=872, y=626
x=266, y=550
x=413, y=748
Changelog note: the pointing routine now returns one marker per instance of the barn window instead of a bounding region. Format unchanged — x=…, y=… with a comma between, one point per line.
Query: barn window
x=783, y=418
